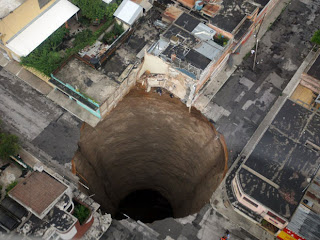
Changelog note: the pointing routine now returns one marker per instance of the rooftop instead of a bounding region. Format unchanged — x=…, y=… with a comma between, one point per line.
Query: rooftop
x=314, y=71
x=55, y=219
x=306, y=223
x=89, y=81
x=38, y=192
x=228, y=14
x=7, y=6
x=188, y=44
x=24, y=42
x=232, y=13
x=14, y=208
x=285, y=159
x=128, y=11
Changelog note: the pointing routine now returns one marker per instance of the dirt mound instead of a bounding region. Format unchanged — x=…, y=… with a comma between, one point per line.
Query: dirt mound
x=152, y=142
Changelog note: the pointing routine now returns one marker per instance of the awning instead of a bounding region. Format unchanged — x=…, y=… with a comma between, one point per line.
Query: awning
x=25, y=41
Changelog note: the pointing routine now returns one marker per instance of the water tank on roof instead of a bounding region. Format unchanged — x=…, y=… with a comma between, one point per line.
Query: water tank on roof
x=198, y=5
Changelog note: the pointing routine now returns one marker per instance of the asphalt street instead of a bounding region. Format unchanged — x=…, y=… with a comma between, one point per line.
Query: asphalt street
x=36, y=120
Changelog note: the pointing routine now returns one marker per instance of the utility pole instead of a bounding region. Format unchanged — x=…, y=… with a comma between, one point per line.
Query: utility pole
x=257, y=41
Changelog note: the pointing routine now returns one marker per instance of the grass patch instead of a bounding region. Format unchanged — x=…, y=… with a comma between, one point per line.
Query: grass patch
x=11, y=186
x=247, y=55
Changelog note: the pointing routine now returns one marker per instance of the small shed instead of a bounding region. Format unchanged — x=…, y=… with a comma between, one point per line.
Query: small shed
x=127, y=13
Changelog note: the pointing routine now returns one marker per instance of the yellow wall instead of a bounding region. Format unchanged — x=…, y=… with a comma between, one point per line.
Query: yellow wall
x=20, y=17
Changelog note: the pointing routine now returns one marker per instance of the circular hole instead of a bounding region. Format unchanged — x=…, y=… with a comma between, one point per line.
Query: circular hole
x=144, y=205
x=151, y=146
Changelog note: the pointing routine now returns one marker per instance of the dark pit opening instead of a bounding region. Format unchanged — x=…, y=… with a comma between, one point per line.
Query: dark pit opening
x=151, y=145
x=144, y=205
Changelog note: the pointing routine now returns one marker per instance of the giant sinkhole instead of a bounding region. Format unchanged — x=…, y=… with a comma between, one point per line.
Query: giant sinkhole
x=151, y=158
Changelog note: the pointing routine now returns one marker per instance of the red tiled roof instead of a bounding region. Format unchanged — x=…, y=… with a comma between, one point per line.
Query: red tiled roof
x=37, y=191
x=187, y=3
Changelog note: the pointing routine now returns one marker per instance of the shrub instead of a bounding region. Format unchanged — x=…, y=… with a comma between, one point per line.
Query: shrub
x=221, y=40
x=45, y=58
x=9, y=145
x=316, y=37
x=11, y=186
x=118, y=29
x=84, y=21
x=109, y=37
x=96, y=9
x=81, y=212
x=84, y=36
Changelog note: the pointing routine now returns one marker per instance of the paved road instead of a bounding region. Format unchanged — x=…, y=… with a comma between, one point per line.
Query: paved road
x=248, y=95
x=36, y=119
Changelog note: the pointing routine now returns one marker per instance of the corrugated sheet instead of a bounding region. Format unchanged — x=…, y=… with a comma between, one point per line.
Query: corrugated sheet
x=305, y=223
x=208, y=50
x=203, y=32
x=128, y=12
x=159, y=47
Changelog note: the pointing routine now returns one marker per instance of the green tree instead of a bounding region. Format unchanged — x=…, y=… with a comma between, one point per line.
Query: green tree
x=316, y=37
x=110, y=9
x=91, y=9
x=9, y=145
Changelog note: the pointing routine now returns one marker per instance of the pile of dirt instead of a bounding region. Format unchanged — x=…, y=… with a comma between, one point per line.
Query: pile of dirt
x=152, y=142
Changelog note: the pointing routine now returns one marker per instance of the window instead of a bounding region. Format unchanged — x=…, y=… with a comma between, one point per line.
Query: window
x=276, y=217
x=42, y=3
x=249, y=201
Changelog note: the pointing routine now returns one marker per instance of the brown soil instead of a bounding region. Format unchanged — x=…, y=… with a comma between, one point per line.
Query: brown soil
x=152, y=142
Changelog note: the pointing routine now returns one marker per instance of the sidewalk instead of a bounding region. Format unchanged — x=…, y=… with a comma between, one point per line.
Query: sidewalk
x=215, y=84
x=41, y=86
x=220, y=200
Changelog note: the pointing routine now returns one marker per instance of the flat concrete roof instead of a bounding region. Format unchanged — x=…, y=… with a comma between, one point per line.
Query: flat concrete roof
x=8, y=6
x=231, y=14
x=283, y=160
x=314, y=71
x=89, y=81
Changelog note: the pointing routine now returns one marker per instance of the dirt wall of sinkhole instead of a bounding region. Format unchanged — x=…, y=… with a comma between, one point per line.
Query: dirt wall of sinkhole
x=152, y=142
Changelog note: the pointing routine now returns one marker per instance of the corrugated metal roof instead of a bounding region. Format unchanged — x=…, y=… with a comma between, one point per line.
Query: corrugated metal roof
x=305, y=223
x=159, y=47
x=128, y=12
x=208, y=50
x=203, y=32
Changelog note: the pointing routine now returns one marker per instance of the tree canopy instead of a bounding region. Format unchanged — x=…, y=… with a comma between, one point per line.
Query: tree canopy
x=9, y=145
x=316, y=37
x=95, y=9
